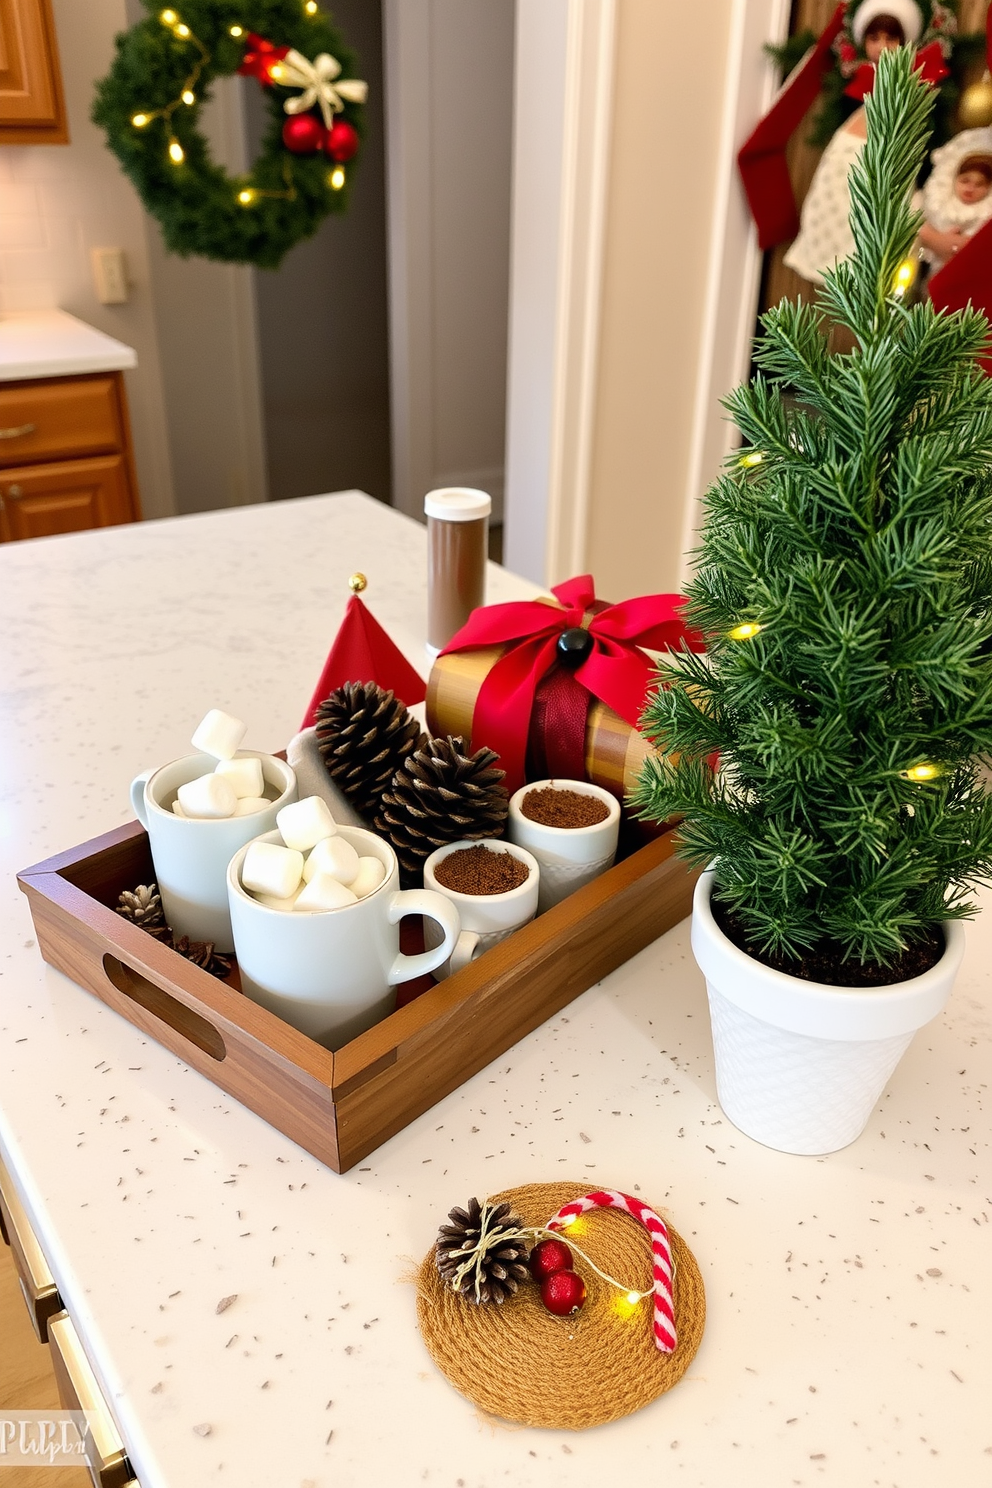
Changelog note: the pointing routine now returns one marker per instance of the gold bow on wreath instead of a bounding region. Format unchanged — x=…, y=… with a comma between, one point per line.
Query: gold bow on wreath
x=317, y=79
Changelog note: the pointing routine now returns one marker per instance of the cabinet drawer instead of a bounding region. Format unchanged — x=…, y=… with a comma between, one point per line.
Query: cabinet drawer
x=69, y=496
x=78, y=1390
x=48, y=418
x=37, y=1282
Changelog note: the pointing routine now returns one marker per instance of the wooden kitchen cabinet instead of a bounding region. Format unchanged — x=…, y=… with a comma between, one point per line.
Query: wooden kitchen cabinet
x=65, y=456
x=32, y=104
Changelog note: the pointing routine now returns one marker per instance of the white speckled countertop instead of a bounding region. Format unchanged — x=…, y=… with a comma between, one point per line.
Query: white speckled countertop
x=52, y=343
x=848, y=1339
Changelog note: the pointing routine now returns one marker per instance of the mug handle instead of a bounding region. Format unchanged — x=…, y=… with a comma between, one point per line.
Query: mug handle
x=465, y=949
x=138, y=796
x=436, y=907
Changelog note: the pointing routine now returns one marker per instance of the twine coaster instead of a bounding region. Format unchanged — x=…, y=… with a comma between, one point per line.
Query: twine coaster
x=520, y=1362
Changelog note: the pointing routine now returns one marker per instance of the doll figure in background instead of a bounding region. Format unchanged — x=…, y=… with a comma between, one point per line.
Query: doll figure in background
x=957, y=198
x=825, y=232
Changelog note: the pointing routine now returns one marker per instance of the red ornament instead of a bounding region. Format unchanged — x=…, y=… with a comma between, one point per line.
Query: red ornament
x=548, y=1257
x=342, y=141
x=303, y=134
x=563, y=1293
x=259, y=57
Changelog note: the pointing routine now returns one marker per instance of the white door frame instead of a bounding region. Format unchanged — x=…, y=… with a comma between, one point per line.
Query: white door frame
x=562, y=117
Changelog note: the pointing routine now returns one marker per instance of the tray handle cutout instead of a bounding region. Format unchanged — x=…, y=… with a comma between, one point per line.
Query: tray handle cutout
x=170, y=1010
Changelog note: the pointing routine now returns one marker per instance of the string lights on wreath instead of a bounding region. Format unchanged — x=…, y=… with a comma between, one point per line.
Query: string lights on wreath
x=300, y=61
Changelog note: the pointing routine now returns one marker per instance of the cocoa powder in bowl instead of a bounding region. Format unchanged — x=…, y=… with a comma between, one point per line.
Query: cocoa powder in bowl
x=480, y=870
x=553, y=807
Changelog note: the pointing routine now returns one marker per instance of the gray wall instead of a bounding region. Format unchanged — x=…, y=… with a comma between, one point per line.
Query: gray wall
x=449, y=70
x=323, y=317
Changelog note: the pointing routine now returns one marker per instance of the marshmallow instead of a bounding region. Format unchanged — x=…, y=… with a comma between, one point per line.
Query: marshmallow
x=369, y=876
x=250, y=804
x=220, y=735
x=177, y=810
x=271, y=869
x=244, y=774
x=332, y=855
x=305, y=823
x=210, y=796
x=324, y=892
x=271, y=902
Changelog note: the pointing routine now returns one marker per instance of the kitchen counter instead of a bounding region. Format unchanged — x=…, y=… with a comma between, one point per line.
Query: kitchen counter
x=52, y=343
x=847, y=1340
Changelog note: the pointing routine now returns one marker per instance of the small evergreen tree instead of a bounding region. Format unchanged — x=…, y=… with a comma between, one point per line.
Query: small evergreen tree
x=844, y=587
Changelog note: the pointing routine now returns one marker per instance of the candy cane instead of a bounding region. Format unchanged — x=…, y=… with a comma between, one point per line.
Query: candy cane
x=664, y=1313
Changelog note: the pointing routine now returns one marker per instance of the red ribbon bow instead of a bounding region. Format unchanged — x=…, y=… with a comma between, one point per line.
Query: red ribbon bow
x=259, y=57
x=616, y=671
x=929, y=64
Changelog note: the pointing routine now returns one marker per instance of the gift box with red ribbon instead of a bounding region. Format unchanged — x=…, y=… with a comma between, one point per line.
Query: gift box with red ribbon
x=557, y=686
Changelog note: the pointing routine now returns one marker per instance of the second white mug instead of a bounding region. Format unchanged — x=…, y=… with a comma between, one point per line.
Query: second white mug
x=333, y=973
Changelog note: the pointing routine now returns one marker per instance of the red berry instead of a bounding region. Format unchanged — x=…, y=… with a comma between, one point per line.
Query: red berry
x=341, y=141
x=303, y=134
x=548, y=1257
x=563, y=1293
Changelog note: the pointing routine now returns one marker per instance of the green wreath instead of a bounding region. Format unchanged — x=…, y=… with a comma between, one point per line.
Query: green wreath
x=149, y=104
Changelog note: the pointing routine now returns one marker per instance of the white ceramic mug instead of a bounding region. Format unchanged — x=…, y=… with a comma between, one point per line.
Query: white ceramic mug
x=333, y=973
x=569, y=856
x=485, y=918
x=190, y=855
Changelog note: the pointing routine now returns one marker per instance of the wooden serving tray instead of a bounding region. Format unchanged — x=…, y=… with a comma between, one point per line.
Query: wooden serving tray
x=342, y=1106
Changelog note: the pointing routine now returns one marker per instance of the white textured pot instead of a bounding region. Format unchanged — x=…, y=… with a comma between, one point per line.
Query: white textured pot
x=799, y=1065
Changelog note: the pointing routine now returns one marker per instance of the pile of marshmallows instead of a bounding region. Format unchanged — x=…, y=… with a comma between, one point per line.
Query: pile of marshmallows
x=235, y=786
x=330, y=870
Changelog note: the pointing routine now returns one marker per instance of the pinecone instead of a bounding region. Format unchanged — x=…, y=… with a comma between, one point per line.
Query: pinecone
x=442, y=794
x=143, y=907
x=364, y=735
x=202, y=953
x=482, y=1270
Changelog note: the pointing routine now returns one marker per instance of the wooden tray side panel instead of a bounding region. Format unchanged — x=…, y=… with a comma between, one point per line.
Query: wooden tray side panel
x=268, y=1075
x=477, y=1015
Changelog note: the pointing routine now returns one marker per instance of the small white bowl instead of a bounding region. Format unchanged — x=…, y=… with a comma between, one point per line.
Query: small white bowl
x=485, y=918
x=569, y=856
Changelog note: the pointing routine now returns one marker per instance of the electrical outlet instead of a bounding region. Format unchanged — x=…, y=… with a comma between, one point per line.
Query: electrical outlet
x=109, y=275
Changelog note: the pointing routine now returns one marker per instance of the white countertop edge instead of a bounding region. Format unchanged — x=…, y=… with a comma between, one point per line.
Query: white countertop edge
x=53, y=343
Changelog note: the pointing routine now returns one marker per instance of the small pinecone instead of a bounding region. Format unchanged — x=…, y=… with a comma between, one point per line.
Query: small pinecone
x=442, y=794
x=143, y=907
x=364, y=735
x=503, y=1258
x=202, y=953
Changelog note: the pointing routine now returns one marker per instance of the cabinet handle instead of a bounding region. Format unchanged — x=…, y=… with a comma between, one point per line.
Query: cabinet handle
x=37, y=1282
x=78, y=1390
x=17, y=431
x=14, y=491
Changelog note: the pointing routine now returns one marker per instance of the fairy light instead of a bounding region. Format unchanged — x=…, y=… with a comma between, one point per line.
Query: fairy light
x=920, y=774
x=236, y=31
x=336, y=179
x=187, y=94
x=246, y=197
x=904, y=276
x=746, y=631
x=752, y=458
x=275, y=71
x=311, y=7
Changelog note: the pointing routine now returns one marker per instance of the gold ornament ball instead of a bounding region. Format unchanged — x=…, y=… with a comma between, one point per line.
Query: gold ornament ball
x=975, y=108
x=357, y=583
